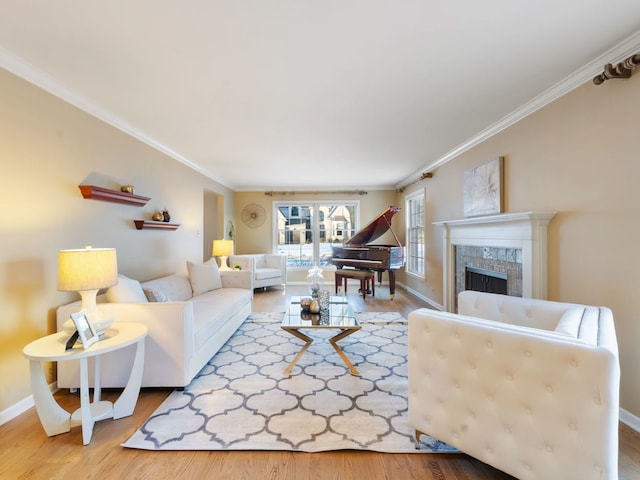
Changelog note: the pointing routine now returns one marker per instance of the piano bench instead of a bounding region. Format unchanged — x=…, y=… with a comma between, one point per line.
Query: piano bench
x=367, y=280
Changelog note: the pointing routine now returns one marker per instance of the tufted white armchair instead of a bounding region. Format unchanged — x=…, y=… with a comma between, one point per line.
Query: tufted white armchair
x=530, y=387
x=269, y=269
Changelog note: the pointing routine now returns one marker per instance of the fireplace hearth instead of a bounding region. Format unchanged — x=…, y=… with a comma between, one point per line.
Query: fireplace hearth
x=511, y=243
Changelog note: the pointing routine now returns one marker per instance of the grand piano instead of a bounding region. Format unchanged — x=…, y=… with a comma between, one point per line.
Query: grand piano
x=357, y=252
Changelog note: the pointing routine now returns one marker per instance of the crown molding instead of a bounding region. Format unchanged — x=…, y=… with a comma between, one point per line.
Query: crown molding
x=627, y=47
x=46, y=82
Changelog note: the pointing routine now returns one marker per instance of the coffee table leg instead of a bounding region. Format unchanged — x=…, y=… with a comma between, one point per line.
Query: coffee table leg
x=334, y=344
x=308, y=341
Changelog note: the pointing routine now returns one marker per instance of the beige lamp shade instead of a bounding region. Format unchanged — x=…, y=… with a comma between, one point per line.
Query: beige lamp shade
x=222, y=248
x=87, y=269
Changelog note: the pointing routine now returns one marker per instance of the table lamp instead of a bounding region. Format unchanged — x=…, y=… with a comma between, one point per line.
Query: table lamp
x=222, y=249
x=86, y=271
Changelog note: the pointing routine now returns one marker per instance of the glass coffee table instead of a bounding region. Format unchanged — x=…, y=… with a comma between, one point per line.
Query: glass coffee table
x=338, y=316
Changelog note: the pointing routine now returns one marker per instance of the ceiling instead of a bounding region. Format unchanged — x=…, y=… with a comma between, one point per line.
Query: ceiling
x=310, y=94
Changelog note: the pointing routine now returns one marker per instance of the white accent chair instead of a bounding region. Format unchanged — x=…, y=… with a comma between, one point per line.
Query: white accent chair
x=268, y=269
x=530, y=387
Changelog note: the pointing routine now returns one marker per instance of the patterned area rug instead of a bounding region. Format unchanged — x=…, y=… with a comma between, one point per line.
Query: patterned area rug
x=242, y=401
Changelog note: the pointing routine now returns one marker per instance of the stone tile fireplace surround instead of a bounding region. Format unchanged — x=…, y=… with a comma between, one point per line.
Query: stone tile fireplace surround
x=511, y=243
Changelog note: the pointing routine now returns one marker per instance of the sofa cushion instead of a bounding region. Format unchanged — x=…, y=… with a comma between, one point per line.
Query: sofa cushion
x=204, y=277
x=127, y=290
x=172, y=288
x=263, y=273
x=213, y=309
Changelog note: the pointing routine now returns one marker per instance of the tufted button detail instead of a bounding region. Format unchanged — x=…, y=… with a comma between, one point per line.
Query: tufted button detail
x=549, y=388
x=527, y=353
x=574, y=363
x=489, y=344
x=527, y=410
x=490, y=397
x=548, y=448
x=509, y=377
x=573, y=426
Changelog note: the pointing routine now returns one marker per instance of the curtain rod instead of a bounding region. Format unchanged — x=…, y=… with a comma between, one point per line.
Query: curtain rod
x=319, y=192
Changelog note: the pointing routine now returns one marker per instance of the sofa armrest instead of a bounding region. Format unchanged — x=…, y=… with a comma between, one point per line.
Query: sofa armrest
x=237, y=279
x=246, y=262
x=274, y=260
x=528, y=387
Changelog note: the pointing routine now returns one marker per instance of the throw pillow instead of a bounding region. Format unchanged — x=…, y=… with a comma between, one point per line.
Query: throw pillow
x=155, y=295
x=127, y=290
x=204, y=277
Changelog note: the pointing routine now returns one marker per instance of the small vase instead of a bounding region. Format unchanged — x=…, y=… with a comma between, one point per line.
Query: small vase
x=165, y=215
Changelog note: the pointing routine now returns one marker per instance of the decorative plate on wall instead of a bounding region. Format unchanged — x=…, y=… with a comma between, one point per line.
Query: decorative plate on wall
x=482, y=189
x=253, y=215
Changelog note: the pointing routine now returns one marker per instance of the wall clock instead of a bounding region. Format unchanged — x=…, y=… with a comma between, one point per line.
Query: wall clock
x=253, y=215
x=482, y=189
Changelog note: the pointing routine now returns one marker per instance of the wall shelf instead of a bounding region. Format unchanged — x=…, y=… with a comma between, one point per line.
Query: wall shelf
x=108, y=195
x=151, y=224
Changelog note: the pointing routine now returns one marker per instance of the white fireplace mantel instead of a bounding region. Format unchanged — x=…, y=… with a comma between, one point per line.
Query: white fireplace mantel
x=526, y=231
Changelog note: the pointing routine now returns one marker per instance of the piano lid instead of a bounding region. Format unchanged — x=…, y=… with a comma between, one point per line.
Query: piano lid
x=375, y=228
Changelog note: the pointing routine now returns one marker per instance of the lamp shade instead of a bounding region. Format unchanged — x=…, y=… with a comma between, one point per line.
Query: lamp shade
x=222, y=248
x=87, y=269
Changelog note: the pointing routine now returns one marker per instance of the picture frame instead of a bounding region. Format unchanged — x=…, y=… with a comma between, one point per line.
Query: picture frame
x=483, y=189
x=85, y=329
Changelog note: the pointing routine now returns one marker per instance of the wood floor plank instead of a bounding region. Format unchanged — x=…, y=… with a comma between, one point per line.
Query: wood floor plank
x=27, y=453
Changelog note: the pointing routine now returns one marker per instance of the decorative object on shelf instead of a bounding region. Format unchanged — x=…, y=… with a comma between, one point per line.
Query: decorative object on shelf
x=315, y=279
x=86, y=271
x=237, y=267
x=158, y=217
x=482, y=189
x=127, y=189
x=620, y=70
x=108, y=195
x=253, y=215
x=222, y=249
x=155, y=225
x=165, y=215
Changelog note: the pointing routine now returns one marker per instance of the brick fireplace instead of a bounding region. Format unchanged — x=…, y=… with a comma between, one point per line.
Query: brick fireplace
x=510, y=244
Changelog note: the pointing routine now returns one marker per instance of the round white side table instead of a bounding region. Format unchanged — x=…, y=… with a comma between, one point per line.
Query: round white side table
x=51, y=348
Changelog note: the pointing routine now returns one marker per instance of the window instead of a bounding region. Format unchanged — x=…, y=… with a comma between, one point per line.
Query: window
x=306, y=231
x=415, y=233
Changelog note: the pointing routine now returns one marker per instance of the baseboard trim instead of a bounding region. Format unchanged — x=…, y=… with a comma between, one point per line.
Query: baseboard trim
x=22, y=406
x=422, y=297
x=630, y=420
x=16, y=410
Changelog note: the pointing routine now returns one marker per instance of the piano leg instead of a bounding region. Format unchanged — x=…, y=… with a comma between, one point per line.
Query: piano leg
x=392, y=284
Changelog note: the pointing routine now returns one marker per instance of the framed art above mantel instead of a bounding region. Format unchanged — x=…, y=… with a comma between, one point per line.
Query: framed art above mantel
x=483, y=189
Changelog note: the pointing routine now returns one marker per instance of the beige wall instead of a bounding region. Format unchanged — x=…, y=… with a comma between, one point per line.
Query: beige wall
x=578, y=156
x=48, y=148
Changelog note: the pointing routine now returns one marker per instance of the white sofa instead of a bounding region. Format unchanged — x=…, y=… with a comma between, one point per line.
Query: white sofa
x=268, y=269
x=189, y=318
x=528, y=386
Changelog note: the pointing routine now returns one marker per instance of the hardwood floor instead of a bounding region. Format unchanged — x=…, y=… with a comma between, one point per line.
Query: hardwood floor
x=27, y=453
